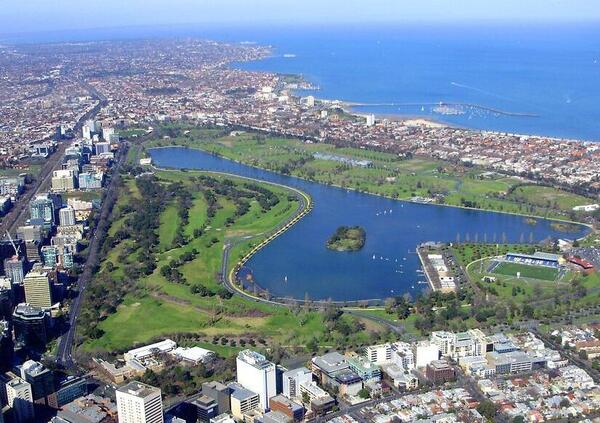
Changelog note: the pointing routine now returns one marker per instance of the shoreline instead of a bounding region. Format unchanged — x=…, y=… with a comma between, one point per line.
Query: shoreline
x=347, y=106
x=587, y=225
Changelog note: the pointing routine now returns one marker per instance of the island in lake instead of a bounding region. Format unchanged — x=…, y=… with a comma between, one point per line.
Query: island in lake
x=347, y=238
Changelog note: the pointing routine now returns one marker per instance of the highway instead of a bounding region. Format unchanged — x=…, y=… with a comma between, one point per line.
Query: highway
x=65, y=346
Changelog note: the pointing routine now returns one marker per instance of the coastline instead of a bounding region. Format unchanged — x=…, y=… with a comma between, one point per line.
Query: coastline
x=524, y=215
x=348, y=105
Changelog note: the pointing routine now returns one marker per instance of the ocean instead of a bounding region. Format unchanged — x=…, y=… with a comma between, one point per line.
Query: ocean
x=529, y=79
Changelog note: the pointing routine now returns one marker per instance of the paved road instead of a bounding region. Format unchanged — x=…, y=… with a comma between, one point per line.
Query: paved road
x=65, y=345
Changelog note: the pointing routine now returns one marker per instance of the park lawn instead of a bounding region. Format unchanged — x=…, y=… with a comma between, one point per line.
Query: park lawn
x=197, y=215
x=134, y=154
x=224, y=351
x=542, y=196
x=467, y=253
x=527, y=271
x=143, y=319
x=32, y=169
x=169, y=222
x=408, y=324
x=83, y=195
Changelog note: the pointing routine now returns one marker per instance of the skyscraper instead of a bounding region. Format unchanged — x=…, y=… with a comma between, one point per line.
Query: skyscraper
x=139, y=403
x=49, y=254
x=13, y=269
x=20, y=399
x=37, y=289
x=30, y=326
x=256, y=373
x=66, y=216
x=40, y=378
x=42, y=207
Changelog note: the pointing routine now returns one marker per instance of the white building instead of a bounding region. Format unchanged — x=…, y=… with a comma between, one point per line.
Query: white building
x=379, y=354
x=256, y=373
x=425, y=353
x=193, y=355
x=107, y=133
x=86, y=132
x=151, y=350
x=403, y=355
x=20, y=399
x=292, y=379
x=370, y=120
x=66, y=216
x=139, y=403
x=463, y=344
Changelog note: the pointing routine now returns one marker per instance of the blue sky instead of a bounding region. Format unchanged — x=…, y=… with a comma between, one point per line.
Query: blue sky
x=43, y=15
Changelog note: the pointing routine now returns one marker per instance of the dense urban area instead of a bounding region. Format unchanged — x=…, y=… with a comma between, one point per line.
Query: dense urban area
x=120, y=296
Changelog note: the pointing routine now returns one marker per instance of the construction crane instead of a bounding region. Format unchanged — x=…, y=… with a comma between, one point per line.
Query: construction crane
x=13, y=244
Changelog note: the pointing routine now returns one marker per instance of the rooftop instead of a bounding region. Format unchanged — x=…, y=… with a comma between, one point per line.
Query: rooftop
x=240, y=393
x=138, y=389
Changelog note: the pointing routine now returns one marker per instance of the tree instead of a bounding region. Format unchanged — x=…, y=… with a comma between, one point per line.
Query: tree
x=364, y=393
x=487, y=409
x=312, y=345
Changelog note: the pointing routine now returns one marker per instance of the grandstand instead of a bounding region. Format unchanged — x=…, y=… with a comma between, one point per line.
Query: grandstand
x=536, y=259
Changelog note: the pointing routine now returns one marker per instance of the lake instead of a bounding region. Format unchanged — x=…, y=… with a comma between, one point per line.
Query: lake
x=298, y=262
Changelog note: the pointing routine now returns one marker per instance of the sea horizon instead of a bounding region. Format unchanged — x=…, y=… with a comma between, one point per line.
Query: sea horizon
x=535, y=79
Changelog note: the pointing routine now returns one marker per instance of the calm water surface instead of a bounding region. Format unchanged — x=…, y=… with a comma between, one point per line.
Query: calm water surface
x=387, y=264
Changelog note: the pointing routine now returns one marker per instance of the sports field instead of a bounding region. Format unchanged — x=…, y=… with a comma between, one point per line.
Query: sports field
x=527, y=271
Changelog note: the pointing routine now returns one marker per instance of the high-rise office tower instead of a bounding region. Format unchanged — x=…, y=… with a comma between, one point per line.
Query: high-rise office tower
x=257, y=374
x=13, y=269
x=42, y=207
x=20, y=399
x=139, y=403
x=38, y=292
x=40, y=378
x=66, y=216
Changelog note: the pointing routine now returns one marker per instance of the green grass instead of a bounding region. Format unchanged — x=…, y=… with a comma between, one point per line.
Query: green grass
x=84, y=195
x=527, y=271
x=169, y=222
x=142, y=319
x=32, y=169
